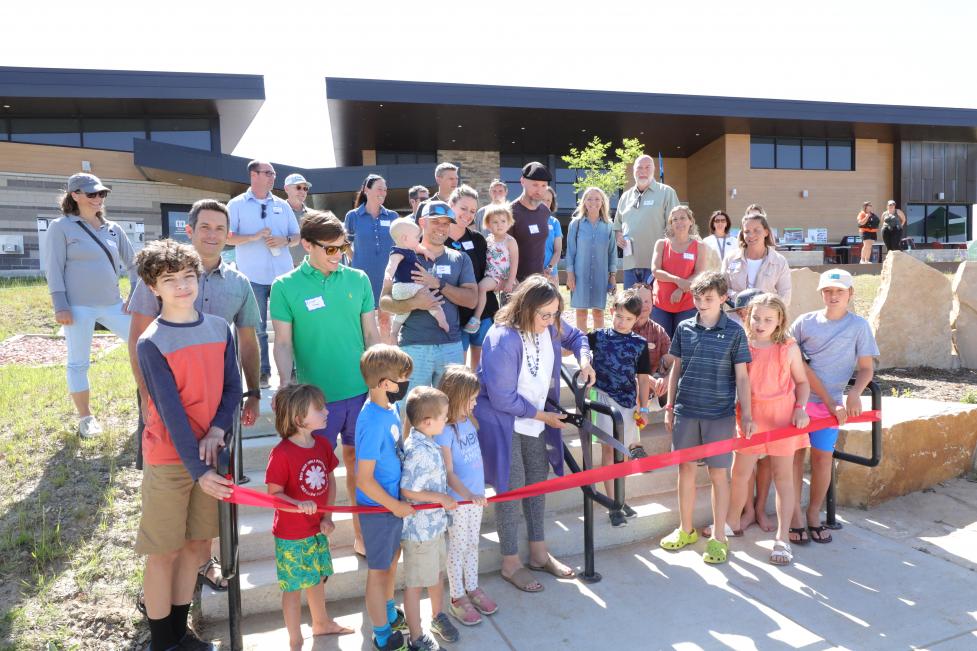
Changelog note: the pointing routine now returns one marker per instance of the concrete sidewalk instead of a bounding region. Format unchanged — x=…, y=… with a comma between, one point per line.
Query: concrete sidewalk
x=901, y=576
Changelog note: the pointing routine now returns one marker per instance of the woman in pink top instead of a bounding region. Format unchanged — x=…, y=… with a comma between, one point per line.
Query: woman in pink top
x=675, y=264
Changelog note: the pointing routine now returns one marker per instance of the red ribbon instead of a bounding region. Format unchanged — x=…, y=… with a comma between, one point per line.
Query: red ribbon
x=250, y=497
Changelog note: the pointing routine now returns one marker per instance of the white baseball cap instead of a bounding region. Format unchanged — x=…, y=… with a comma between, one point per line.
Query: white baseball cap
x=295, y=179
x=835, y=278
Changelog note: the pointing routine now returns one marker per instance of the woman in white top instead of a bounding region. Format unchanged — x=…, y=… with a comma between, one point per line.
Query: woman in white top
x=720, y=240
x=755, y=262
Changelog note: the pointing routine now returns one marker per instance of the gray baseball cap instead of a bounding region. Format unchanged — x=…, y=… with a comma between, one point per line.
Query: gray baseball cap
x=85, y=183
x=295, y=179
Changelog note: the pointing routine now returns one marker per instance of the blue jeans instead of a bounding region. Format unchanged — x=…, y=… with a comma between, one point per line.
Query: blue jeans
x=670, y=320
x=429, y=363
x=637, y=275
x=78, y=337
x=261, y=294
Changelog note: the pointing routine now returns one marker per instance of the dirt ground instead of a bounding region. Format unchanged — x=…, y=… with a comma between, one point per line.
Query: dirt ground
x=43, y=350
x=930, y=383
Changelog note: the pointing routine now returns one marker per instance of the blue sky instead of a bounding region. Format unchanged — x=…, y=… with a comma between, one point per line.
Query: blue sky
x=877, y=52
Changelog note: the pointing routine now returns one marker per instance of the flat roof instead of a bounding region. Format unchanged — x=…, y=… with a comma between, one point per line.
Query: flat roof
x=415, y=115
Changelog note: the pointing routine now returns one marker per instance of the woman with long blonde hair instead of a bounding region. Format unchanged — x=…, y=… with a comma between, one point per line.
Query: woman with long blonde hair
x=591, y=262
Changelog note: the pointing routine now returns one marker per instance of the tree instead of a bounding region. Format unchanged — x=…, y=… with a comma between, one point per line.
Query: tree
x=611, y=176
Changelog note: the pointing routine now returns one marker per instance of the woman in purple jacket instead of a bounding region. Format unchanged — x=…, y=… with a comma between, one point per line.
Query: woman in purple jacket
x=519, y=370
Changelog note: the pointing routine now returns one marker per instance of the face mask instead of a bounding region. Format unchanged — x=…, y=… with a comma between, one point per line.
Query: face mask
x=396, y=396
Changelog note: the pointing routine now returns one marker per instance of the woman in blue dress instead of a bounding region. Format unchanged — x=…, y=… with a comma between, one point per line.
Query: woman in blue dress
x=368, y=229
x=591, y=262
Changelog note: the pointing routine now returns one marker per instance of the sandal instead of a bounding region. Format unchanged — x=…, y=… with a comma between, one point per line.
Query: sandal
x=801, y=533
x=716, y=552
x=551, y=567
x=482, y=602
x=817, y=534
x=678, y=539
x=522, y=579
x=782, y=554
x=463, y=610
x=220, y=585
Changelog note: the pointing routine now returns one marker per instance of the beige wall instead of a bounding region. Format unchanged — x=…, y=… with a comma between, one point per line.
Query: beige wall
x=707, y=182
x=65, y=161
x=834, y=198
x=478, y=168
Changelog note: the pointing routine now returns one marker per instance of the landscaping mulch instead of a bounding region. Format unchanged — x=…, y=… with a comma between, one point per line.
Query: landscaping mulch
x=959, y=385
x=46, y=350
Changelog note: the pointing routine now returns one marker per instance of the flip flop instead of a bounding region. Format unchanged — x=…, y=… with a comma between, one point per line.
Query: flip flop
x=802, y=536
x=706, y=532
x=550, y=567
x=522, y=579
x=817, y=534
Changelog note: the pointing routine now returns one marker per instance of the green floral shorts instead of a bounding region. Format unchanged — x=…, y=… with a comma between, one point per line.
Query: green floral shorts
x=302, y=563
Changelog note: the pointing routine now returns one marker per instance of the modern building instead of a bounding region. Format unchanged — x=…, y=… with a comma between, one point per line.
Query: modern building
x=161, y=140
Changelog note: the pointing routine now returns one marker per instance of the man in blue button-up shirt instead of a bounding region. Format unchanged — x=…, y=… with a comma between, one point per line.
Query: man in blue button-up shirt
x=263, y=227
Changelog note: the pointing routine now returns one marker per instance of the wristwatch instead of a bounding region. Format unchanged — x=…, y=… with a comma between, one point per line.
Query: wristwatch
x=253, y=393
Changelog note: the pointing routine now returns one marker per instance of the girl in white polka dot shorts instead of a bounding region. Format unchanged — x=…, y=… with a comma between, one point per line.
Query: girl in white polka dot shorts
x=466, y=481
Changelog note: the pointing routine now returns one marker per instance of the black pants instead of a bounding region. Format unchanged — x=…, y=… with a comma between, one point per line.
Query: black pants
x=892, y=238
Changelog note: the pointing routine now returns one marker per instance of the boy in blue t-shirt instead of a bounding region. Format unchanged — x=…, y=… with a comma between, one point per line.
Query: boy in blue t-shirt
x=620, y=357
x=710, y=355
x=386, y=370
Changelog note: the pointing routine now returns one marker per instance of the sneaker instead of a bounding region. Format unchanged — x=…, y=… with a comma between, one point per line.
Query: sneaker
x=400, y=621
x=628, y=511
x=89, y=427
x=394, y=643
x=472, y=326
x=190, y=642
x=463, y=610
x=638, y=452
x=617, y=518
x=265, y=381
x=444, y=628
x=425, y=643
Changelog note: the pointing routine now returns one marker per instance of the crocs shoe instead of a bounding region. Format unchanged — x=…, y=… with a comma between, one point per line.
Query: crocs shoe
x=463, y=610
x=716, y=552
x=678, y=539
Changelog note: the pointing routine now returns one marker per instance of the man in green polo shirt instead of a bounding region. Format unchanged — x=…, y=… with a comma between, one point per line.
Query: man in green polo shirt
x=324, y=320
x=640, y=220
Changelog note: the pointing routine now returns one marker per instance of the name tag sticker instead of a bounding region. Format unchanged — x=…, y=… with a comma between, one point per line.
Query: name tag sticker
x=534, y=229
x=442, y=269
x=733, y=266
x=276, y=209
x=385, y=222
x=648, y=202
x=312, y=304
x=688, y=256
x=468, y=246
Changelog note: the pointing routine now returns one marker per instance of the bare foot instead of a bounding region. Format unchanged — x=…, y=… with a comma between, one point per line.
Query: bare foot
x=330, y=627
x=763, y=521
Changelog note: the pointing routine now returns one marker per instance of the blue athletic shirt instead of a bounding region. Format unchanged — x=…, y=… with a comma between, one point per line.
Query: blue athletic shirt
x=377, y=438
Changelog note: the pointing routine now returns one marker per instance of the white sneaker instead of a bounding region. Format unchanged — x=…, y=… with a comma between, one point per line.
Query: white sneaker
x=89, y=427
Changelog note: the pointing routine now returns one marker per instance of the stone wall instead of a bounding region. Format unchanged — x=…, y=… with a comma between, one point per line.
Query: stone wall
x=478, y=168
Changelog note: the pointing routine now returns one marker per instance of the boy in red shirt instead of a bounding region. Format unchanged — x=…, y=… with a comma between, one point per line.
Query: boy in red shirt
x=300, y=471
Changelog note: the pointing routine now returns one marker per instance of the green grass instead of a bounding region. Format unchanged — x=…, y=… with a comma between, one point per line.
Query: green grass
x=25, y=306
x=970, y=397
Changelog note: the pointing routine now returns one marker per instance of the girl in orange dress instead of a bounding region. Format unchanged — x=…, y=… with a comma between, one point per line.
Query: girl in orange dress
x=778, y=393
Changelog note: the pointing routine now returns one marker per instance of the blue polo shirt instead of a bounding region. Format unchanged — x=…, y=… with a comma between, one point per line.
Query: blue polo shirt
x=707, y=386
x=254, y=259
x=371, y=243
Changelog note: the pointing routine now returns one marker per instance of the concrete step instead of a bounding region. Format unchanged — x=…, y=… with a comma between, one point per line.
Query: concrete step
x=657, y=516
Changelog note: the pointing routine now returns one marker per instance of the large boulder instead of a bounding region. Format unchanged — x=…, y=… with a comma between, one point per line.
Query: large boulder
x=924, y=442
x=911, y=315
x=963, y=317
x=804, y=294
x=711, y=256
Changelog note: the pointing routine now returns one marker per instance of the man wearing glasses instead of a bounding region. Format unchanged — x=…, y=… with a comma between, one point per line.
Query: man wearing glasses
x=263, y=227
x=296, y=192
x=323, y=316
x=450, y=279
x=639, y=221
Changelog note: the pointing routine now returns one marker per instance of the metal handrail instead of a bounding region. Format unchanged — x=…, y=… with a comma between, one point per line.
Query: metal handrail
x=831, y=520
x=227, y=460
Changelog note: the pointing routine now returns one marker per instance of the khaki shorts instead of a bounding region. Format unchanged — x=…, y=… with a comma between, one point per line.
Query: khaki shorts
x=174, y=510
x=423, y=562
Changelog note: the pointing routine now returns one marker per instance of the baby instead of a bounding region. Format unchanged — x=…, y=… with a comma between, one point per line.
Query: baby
x=402, y=263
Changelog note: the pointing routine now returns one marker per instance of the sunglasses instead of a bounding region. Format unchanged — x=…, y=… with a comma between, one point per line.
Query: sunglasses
x=264, y=210
x=303, y=188
x=331, y=249
x=91, y=195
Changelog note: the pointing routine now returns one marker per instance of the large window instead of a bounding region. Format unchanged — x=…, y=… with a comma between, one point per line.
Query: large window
x=112, y=134
x=64, y=132
x=938, y=222
x=188, y=132
x=3, y=130
x=405, y=157
x=563, y=179
x=801, y=153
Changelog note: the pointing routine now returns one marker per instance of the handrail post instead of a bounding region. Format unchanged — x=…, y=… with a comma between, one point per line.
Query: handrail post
x=227, y=519
x=831, y=520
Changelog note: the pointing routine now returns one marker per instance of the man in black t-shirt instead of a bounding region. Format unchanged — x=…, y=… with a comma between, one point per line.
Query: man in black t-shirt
x=532, y=217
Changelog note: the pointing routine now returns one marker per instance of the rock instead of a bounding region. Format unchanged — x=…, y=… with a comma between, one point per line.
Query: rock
x=963, y=317
x=924, y=442
x=911, y=314
x=804, y=294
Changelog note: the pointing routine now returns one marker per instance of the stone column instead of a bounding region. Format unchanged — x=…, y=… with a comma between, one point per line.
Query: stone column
x=478, y=168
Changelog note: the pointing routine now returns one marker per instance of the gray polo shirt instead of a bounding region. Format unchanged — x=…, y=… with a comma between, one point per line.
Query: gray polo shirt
x=77, y=269
x=641, y=217
x=223, y=292
x=420, y=328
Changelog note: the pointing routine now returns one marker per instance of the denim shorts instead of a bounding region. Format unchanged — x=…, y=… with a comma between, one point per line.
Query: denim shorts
x=381, y=536
x=341, y=422
x=476, y=339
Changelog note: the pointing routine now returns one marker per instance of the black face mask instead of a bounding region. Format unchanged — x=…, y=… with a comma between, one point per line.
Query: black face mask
x=396, y=396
